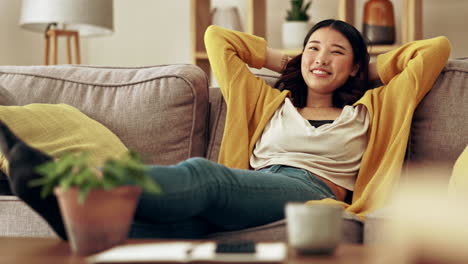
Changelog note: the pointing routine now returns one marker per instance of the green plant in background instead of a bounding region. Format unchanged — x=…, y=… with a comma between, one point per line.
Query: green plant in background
x=73, y=170
x=298, y=11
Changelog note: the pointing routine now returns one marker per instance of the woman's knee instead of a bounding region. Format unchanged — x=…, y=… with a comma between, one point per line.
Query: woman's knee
x=209, y=170
x=199, y=163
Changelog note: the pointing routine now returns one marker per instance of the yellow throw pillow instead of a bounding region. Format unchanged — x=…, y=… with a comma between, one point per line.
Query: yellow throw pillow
x=59, y=128
x=458, y=184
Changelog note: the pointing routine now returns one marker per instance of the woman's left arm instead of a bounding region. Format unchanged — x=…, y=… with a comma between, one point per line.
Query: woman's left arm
x=418, y=63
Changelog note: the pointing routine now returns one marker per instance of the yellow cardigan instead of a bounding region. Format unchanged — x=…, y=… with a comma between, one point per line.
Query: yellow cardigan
x=407, y=73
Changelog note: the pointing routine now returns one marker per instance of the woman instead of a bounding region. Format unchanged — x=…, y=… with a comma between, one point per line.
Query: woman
x=318, y=135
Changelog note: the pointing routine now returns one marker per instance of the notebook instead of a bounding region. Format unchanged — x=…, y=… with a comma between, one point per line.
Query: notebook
x=183, y=252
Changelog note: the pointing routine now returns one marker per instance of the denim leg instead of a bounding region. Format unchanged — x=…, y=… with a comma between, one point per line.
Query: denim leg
x=228, y=198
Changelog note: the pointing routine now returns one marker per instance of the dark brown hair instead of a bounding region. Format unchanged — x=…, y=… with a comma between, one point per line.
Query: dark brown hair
x=354, y=88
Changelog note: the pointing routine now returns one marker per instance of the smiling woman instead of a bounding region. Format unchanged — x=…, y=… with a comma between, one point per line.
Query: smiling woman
x=322, y=118
x=321, y=84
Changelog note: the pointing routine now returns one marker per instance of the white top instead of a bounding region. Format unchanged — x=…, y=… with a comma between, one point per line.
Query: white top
x=332, y=151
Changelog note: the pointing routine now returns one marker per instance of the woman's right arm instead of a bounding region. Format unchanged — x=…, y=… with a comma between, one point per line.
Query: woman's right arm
x=276, y=60
x=228, y=52
x=248, y=98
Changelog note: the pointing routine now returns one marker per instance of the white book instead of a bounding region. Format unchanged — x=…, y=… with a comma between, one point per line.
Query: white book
x=187, y=252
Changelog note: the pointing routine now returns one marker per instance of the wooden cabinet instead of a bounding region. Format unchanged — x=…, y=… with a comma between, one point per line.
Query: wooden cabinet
x=410, y=24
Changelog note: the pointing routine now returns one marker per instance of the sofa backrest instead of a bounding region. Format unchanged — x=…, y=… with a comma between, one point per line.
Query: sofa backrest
x=159, y=111
x=439, y=130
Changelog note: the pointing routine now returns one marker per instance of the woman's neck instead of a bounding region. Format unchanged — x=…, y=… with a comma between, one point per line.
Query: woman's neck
x=319, y=101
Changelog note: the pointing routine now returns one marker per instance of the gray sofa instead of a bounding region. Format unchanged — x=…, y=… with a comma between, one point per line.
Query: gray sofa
x=169, y=113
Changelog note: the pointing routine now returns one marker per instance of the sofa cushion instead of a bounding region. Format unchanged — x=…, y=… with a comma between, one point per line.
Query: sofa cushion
x=375, y=222
x=158, y=111
x=439, y=129
x=18, y=220
x=216, y=125
x=276, y=231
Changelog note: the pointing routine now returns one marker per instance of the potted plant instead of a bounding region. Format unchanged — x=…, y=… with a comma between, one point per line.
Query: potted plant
x=97, y=205
x=296, y=25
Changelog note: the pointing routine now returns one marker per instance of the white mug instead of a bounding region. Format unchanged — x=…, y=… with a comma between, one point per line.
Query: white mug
x=314, y=229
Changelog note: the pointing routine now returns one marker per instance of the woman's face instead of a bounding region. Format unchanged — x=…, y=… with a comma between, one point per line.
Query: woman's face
x=327, y=61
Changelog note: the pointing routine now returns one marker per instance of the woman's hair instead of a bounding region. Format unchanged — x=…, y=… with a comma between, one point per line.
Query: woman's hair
x=291, y=79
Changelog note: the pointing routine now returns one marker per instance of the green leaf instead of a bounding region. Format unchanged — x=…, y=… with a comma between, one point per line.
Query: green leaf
x=73, y=170
x=46, y=190
x=37, y=182
x=83, y=194
x=298, y=12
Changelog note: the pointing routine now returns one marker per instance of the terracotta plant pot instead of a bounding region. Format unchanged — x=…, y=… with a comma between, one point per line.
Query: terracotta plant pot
x=102, y=221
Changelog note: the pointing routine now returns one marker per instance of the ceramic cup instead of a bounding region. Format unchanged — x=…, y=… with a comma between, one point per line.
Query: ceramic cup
x=314, y=229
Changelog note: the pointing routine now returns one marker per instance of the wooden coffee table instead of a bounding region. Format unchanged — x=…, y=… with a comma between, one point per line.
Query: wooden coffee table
x=52, y=250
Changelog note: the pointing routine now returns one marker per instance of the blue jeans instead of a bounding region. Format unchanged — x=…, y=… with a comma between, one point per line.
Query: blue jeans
x=200, y=197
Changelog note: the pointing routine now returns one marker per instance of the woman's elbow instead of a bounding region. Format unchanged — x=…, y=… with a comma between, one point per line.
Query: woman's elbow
x=212, y=35
x=444, y=47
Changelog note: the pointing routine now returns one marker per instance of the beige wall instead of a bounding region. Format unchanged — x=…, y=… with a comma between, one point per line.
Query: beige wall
x=158, y=31
x=155, y=32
